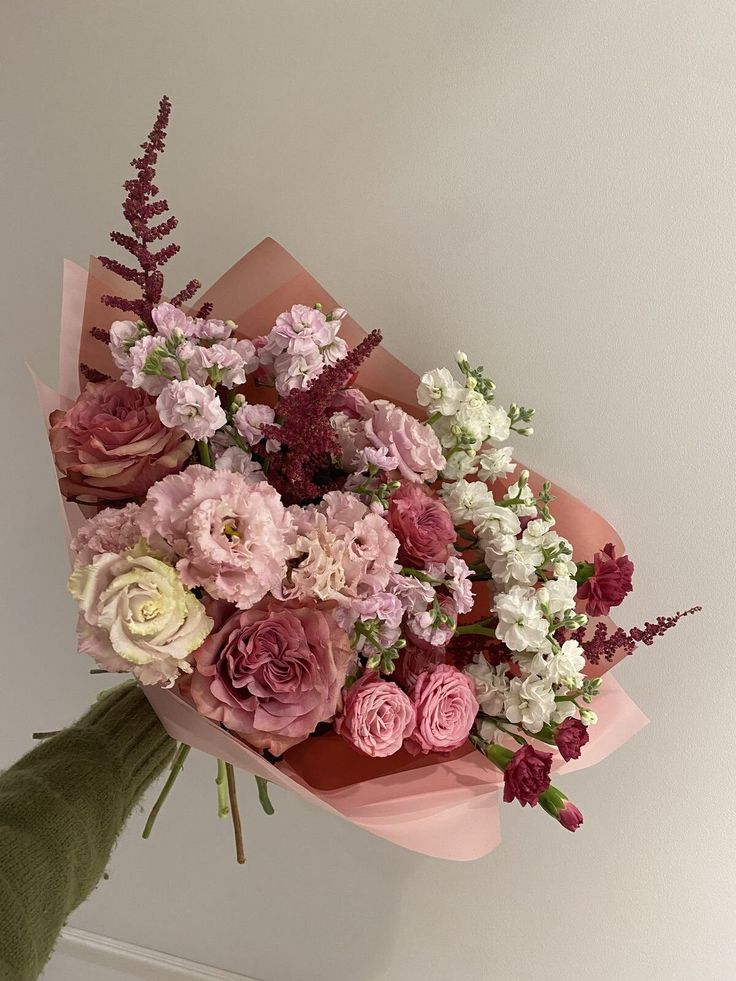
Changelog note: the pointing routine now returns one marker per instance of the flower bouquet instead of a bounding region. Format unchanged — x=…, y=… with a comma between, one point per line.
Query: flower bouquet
x=324, y=570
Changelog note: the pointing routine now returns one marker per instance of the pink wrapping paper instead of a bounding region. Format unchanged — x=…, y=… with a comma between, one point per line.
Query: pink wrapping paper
x=449, y=809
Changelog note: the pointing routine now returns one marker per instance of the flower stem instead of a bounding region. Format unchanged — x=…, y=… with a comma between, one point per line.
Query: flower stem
x=45, y=735
x=474, y=628
x=204, y=453
x=235, y=813
x=176, y=768
x=263, y=795
x=221, y=780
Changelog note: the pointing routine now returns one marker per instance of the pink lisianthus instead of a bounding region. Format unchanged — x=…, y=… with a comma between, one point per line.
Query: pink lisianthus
x=272, y=673
x=609, y=584
x=230, y=532
x=414, y=444
x=377, y=716
x=112, y=446
x=446, y=707
x=422, y=524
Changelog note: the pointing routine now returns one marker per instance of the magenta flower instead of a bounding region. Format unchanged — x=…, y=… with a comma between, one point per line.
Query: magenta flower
x=609, y=584
x=377, y=716
x=570, y=737
x=569, y=816
x=526, y=776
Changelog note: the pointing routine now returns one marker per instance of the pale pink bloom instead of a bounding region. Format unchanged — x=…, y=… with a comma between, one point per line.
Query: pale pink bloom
x=426, y=629
x=214, y=330
x=194, y=408
x=239, y=461
x=351, y=401
x=297, y=370
x=134, y=373
x=377, y=716
x=446, y=707
x=415, y=595
x=110, y=530
x=351, y=437
x=455, y=577
x=272, y=673
x=171, y=321
x=123, y=334
x=304, y=320
x=382, y=607
x=250, y=419
x=229, y=531
x=380, y=458
x=413, y=443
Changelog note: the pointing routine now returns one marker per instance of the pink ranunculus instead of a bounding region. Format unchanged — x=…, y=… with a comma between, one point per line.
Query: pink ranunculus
x=230, y=531
x=112, y=446
x=446, y=706
x=272, y=673
x=570, y=737
x=526, y=775
x=413, y=660
x=377, y=716
x=414, y=444
x=422, y=524
x=569, y=816
x=609, y=584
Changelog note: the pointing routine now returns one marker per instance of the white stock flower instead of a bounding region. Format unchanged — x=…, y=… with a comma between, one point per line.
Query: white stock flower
x=564, y=666
x=517, y=564
x=495, y=462
x=467, y=500
x=521, y=626
x=491, y=685
x=499, y=424
x=440, y=392
x=136, y=615
x=529, y=703
x=563, y=710
x=558, y=595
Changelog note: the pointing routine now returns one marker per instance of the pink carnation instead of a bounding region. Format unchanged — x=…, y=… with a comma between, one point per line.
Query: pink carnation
x=446, y=708
x=230, y=532
x=412, y=443
x=272, y=673
x=377, y=716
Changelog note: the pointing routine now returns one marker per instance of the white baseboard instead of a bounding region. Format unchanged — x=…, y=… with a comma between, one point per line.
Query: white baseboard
x=137, y=962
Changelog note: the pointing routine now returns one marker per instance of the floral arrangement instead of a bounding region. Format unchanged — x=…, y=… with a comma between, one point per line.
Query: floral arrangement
x=322, y=573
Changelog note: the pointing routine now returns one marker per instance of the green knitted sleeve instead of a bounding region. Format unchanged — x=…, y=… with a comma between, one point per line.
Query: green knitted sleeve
x=62, y=807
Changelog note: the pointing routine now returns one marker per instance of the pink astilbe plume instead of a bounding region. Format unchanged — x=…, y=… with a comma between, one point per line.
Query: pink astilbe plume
x=303, y=469
x=601, y=645
x=139, y=209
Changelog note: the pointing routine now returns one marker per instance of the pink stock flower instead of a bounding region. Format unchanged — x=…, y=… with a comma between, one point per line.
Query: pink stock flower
x=194, y=408
x=570, y=737
x=250, y=419
x=110, y=530
x=377, y=716
x=609, y=584
x=412, y=443
x=230, y=532
x=446, y=706
x=112, y=446
x=272, y=673
x=422, y=524
x=526, y=775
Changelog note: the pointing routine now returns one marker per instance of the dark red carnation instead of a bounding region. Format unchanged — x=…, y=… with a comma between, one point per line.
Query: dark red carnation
x=609, y=584
x=569, y=816
x=570, y=737
x=526, y=775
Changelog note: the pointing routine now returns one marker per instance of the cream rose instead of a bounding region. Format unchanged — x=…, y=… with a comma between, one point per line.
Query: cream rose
x=137, y=616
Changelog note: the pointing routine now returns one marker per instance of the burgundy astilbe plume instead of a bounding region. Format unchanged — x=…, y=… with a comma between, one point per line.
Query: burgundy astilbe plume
x=139, y=209
x=303, y=469
x=603, y=645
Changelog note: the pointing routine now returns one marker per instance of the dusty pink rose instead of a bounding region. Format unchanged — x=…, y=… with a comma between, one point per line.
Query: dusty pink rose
x=446, y=706
x=609, y=584
x=377, y=716
x=570, y=737
x=422, y=524
x=414, y=444
x=413, y=660
x=526, y=775
x=230, y=532
x=112, y=446
x=272, y=673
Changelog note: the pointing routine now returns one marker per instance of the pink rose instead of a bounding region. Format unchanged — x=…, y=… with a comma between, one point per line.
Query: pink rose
x=377, y=716
x=526, y=775
x=413, y=660
x=609, y=583
x=570, y=737
x=412, y=443
x=230, y=531
x=112, y=446
x=422, y=524
x=446, y=706
x=272, y=673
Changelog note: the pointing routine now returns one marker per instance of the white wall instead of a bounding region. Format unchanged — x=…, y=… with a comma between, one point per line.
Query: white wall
x=548, y=184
